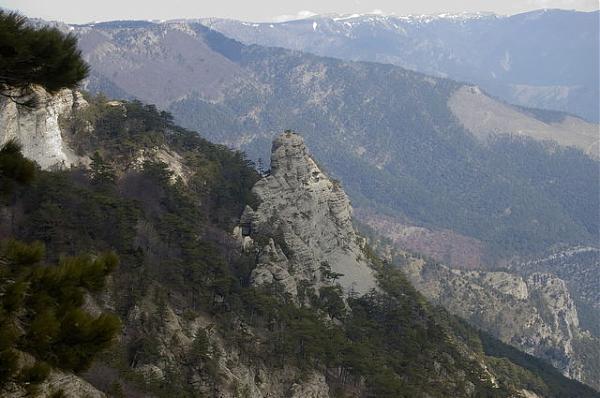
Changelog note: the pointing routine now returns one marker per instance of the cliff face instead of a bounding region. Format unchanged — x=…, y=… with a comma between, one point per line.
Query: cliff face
x=535, y=313
x=307, y=220
x=38, y=129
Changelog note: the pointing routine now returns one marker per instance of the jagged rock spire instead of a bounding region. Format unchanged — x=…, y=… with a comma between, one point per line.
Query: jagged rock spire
x=307, y=219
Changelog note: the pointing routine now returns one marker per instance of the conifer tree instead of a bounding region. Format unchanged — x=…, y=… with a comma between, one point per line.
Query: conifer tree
x=41, y=311
x=28, y=56
x=14, y=167
x=101, y=172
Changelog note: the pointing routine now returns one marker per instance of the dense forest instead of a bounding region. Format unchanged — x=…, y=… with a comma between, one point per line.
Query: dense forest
x=100, y=263
x=173, y=245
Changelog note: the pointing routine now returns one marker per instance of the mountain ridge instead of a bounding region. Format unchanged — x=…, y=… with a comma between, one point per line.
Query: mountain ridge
x=324, y=98
x=497, y=58
x=211, y=278
x=191, y=335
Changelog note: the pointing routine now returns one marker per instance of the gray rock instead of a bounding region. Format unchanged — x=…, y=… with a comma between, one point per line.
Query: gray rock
x=38, y=129
x=534, y=313
x=307, y=219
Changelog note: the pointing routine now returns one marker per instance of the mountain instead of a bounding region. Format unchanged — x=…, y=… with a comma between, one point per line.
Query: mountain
x=441, y=166
x=508, y=181
x=535, y=313
x=541, y=59
x=264, y=311
x=578, y=267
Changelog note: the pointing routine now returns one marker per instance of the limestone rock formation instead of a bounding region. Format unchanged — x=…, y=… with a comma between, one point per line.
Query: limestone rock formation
x=534, y=313
x=238, y=376
x=38, y=129
x=303, y=224
x=46, y=140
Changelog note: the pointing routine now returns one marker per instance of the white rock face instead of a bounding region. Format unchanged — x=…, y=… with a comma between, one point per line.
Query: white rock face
x=535, y=313
x=38, y=129
x=309, y=220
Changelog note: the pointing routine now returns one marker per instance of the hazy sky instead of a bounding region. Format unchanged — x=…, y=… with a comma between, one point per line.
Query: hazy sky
x=78, y=11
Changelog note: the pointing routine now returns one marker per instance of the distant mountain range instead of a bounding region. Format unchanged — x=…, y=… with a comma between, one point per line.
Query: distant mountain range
x=406, y=145
x=544, y=59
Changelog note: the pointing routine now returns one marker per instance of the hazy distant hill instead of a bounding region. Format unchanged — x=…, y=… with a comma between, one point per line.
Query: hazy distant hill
x=394, y=137
x=545, y=58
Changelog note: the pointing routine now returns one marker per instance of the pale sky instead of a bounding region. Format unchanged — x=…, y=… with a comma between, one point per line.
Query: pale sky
x=81, y=11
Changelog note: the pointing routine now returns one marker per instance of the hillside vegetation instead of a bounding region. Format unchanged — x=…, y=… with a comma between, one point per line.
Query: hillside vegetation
x=179, y=264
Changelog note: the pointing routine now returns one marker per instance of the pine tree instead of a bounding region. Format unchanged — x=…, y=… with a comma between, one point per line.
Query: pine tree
x=41, y=311
x=29, y=56
x=101, y=172
x=14, y=167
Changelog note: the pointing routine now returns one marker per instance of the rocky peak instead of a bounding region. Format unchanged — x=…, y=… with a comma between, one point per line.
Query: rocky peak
x=303, y=225
x=289, y=157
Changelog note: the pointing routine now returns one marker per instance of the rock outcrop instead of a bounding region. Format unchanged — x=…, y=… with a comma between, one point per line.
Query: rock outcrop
x=38, y=129
x=58, y=383
x=534, y=313
x=45, y=138
x=238, y=377
x=303, y=225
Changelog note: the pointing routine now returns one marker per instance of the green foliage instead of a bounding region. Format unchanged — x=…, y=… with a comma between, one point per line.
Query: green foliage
x=58, y=394
x=330, y=300
x=409, y=342
x=23, y=254
x=41, y=314
x=30, y=56
x=400, y=344
x=158, y=171
x=222, y=178
x=9, y=361
x=101, y=172
x=35, y=373
x=327, y=274
x=14, y=167
x=391, y=338
x=200, y=346
x=297, y=335
x=163, y=229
